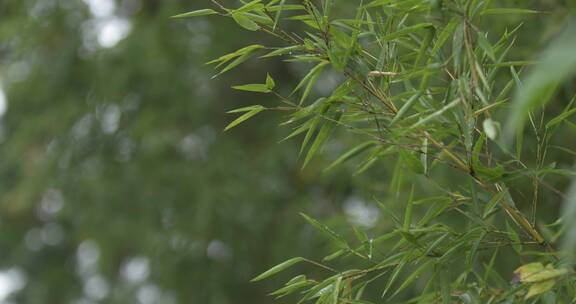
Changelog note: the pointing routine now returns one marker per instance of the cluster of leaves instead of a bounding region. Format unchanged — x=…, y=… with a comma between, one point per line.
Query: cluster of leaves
x=423, y=83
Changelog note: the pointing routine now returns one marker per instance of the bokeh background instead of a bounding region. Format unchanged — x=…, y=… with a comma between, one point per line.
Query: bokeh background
x=117, y=184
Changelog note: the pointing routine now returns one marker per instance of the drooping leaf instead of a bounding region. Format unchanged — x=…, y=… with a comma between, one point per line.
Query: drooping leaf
x=321, y=137
x=414, y=276
x=244, y=21
x=197, y=13
x=350, y=154
x=278, y=268
x=253, y=111
x=324, y=229
x=310, y=80
x=539, y=288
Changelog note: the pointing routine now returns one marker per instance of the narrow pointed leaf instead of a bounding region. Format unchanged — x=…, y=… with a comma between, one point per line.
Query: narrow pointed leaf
x=278, y=268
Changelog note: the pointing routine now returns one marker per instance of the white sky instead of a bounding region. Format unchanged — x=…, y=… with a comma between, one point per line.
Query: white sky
x=111, y=29
x=11, y=280
x=101, y=8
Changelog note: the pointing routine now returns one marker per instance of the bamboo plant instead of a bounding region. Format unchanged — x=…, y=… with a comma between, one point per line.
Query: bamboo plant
x=429, y=85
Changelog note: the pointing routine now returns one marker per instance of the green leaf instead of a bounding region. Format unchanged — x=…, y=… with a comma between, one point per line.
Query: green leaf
x=244, y=21
x=324, y=229
x=240, y=56
x=407, y=106
x=350, y=154
x=278, y=268
x=508, y=11
x=394, y=276
x=336, y=291
x=245, y=50
x=320, y=289
x=486, y=46
x=270, y=83
x=492, y=203
x=245, y=109
x=412, y=162
x=253, y=111
x=444, y=35
x=335, y=255
x=540, y=288
x=408, y=211
x=558, y=119
x=283, y=51
x=405, y=31
x=202, y=12
x=321, y=137
x=256, y=87
x=285, y=7
x=310, y=80
x=526, y=270
x=250, y=6
x=296, y=279
x=569, y=225
x=414, y=276
x=291, y=288
x=547, y=273
x=557, y=64
x=278, y=13
x=436, y=114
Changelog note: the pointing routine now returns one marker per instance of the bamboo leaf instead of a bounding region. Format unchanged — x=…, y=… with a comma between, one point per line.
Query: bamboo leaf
x=324, y=229
x=407, y=106
x=244, y=21
x=558, y=119
x=444, y=35
x=250, y=6
x=239, y=57
x=350, y=154
x=256, y=87
x=257, y=109
x=278, y=13
x=310, y=80
x=291, y=288
x=408, y=211
x=508, y=11
x=405, y=31
x=569, y=225
x=321, y=137
x=197, y=13
x=540, y=288
x=414, y=276
x=486, y=46
x=278, y=268
x=245, y=109
x=270, y=83
x=436, y=114
x=393, y=277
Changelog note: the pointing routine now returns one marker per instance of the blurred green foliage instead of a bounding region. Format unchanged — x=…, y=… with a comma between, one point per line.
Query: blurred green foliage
x=117, y=184
x=112, y=159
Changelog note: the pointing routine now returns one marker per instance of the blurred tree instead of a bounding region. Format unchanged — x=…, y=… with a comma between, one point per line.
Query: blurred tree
x=116, y=184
